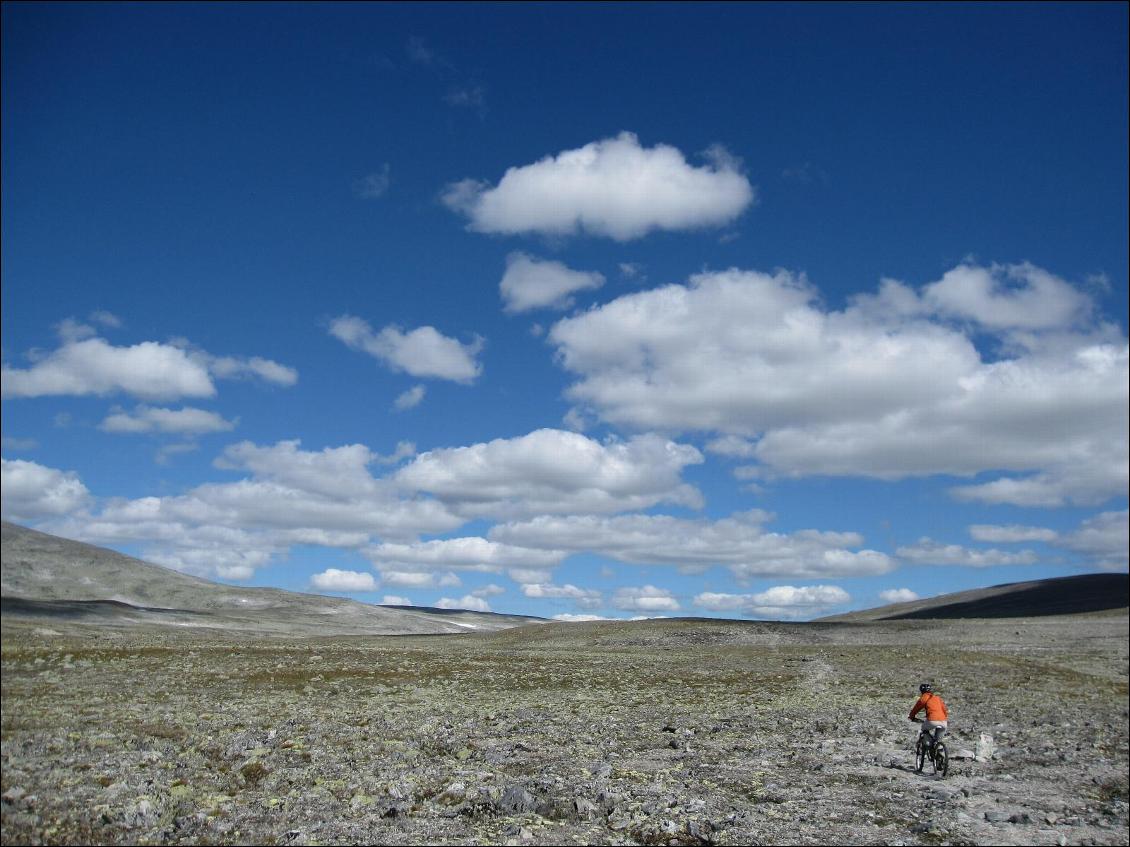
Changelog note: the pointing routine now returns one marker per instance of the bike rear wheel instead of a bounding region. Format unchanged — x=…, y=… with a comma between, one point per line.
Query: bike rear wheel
x=941, y=760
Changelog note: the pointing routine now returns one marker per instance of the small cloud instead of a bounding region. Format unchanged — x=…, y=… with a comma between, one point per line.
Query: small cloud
x=470, y=96
x=166, y=453
x=532, y=283
x=396, y=600
x=69, y=330
x=373, y=185
x=647, y=598
x=404, y=450
x=491, y=590
x=409, y=579
x=410, y=399
x=530, y=575
x=150, y=419
x=898, y=595
x=467, y=601
x=633, y=271
x=586, y=598
x=338, y=580
x=106, y=319
x=19, y=444
x=419, y=52
x=1011, y=534
x=421, y=352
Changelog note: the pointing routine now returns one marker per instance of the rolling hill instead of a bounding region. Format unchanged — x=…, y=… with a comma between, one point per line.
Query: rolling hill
x=1065, y=595
x=51, y=578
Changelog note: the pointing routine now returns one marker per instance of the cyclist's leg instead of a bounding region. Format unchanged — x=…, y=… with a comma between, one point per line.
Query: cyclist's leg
x=934, y=730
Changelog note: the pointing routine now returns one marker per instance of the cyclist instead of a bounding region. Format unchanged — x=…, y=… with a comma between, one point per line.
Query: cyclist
x=937, y=718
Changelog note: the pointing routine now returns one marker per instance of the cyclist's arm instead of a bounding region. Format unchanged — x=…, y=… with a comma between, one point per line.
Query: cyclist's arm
x=918, y=707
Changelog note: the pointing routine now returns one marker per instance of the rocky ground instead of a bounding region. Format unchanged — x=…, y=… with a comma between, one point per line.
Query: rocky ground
x=676, y=732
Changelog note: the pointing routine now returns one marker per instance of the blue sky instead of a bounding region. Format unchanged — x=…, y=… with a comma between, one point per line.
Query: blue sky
x=571, y=310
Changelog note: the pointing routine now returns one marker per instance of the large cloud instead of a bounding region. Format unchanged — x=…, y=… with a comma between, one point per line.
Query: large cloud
x=421, y=352
x=585, y=598
x=531, y=283
x=552, y=471
x=1019, y=296
x=929, y=552
x=1104, y=540
x=780, y=601
x=289, y=496
x=149, y=419
x=149, y=370
x=333, y=579
x=739, y=542
x=32, y=491
x=888, y=387
x=613, y=187
x=470, y=552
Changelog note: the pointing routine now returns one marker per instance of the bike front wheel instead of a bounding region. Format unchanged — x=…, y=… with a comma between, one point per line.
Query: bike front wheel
x=920, y=755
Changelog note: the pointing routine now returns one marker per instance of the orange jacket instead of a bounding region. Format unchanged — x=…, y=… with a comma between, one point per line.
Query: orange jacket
x=932, y=703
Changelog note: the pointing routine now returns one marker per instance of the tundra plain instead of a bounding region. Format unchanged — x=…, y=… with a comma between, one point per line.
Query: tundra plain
x=651, y=732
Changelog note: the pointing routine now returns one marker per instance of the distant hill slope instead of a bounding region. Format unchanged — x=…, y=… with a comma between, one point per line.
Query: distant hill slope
x=1065, y=595
x=46, y=577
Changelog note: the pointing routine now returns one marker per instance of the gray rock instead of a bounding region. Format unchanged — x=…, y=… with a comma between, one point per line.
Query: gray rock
x=997, y=817
x=986, y=747
x=518, y=800
x=584, y=809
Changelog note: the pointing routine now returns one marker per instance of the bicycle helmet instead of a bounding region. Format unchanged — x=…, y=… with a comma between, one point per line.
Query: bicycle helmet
x=925, y=688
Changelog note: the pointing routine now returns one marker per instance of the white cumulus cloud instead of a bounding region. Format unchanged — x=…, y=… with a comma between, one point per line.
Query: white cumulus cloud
x=647, y=598
x=184, y=421
x=1104, y=539
x=422, y=352
x=1013, y=533
x=148, y=370
x=780, y=601
x=930, y=552
x=898, y=595
x=553, y=471
x=585, y=598
x=468, y=601
x=32, y=491
x=410, y=399
x=286, y=496
x=472, y=552
x=531, y=283
x=613, y=187
x=740, y=543
x=333, y=579
x=888, y=387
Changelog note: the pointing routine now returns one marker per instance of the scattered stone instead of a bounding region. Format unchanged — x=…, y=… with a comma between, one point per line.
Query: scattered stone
x=986, y=747
x=518, y=800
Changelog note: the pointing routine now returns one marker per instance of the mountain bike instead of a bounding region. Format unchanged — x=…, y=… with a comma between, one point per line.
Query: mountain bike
x=934, y=752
